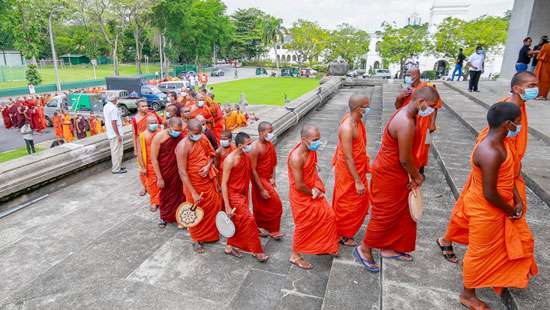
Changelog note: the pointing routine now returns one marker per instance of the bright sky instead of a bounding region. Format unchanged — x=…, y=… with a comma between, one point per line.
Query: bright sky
x=364, y=14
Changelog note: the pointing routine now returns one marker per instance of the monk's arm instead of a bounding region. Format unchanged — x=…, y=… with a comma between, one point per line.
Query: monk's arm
x=139, y=155
x=182, y=152
x=432, y=125
x=489, y=162
x=400, y=98
x=227, y=166
x=155, y=146
x=297, y=164
x=347, y=144
x=217, y=158
x=136, y=144
x=253, y=164
x=405, y=137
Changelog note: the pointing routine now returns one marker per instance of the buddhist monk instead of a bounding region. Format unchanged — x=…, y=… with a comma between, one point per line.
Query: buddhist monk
x=169, y=112
x=57, y=121
x=42, y=124
x=80, y=126
x=266, y=202
x=163, y=157
x=67, y=128
x=235, y=186
x=145, y=140
x=395, y=172
x=350, y=198
x=92, y=122
x=542, y=71
x=6, y=117
x=196, y=167
x=139, y=125
x=314, y=221
x=200, y=108
x=226, y=147
x=523, y=87
x=500, y=250
x=207, y=131
x=426, y=126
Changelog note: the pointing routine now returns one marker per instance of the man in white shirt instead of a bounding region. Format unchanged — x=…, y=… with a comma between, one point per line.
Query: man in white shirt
x=475, y=63
x=113, y=126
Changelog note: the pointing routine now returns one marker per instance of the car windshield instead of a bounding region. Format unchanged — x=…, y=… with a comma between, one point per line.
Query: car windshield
x=153, y=90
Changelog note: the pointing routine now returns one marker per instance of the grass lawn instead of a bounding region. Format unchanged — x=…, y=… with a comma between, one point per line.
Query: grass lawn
x=264, y=90
x=80, y=73
x=13, y=154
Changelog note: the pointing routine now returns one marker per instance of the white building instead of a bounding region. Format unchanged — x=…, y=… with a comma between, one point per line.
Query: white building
x=11, y=58
x=285, y=55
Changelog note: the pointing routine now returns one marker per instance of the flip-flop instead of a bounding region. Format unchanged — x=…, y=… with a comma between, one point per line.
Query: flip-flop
x=301, y=266
x=277, y=237
x=343, y=241
x=162, y=224
x=262, y=260
x=481, y=306
x=233, y=253
x=399, y=257
x=370, y=265
x=153, y=208
x=198, y=248
x=448, y=256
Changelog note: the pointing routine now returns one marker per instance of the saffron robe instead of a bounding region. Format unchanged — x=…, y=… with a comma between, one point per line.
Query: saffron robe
x=247, y=237
x=171, y=196
x=67, y=130
x=267, y=212
x=150, y=178
x=58, y=126
x=211, y=201
x=6, y=118
x=542, y=71
x=93, y=126
x=314, y=220
x=390, y=225
x=500, y=251
x=349, y=207
x=139, y=127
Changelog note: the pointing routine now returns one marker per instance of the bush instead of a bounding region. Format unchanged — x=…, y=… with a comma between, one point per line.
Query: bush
x=32, y=75
x=428, y=75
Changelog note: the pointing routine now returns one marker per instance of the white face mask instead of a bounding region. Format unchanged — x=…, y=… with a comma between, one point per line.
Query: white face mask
x=247, y=148
x=269, y=137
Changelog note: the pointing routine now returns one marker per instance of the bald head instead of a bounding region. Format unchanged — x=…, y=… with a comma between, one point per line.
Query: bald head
x=523, y=80
x=194, y=125
x=308, y=131
x=426, y=93
x=151, y=119
x=201, y=119
x=263, y=126
x=175, y=122
x=357, y=101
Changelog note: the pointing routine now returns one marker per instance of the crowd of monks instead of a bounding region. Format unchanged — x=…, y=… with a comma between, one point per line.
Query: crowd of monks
x=197, y=158
x=17, y=112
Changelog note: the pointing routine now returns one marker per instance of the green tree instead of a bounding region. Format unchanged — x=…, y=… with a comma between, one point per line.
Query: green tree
x=32, y=75
x=399, y=43
x=308, y=40
x=273, y=35
x=248, y=33
x=349, y=43
x=449, y=37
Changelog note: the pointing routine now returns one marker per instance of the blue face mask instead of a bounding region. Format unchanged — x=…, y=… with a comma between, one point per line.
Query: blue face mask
x=174, y=134
x=200, y=104
x=367, y=110
x=196, y=137
x=153, y=127
x=530, y=93
x=247, y=148
x=225, y=143
x=314, y=145
x=167, y=114
x=428, y=111
x=408, y=80
x=514, y=133
x=269, y=137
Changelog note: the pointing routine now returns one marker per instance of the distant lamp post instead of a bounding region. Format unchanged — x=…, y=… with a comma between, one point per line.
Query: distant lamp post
x=54, y=54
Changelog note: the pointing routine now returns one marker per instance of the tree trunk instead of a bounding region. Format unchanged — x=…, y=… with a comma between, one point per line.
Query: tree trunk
x=137, y=38
x=276, y=58
x=115, y=56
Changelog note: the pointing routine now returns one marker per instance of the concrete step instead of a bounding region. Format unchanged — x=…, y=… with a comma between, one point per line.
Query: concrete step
x=472, y=111
x=453, y=149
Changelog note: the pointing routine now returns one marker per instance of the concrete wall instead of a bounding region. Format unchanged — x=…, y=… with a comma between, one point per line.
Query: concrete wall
x=529, y=18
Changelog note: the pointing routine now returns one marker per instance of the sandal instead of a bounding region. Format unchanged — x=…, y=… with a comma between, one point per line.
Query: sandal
x=263, y=233
x=142, y=193
x=402, y=257
x=371, y=265
x=233, y=252
x=480, y=306
x=198, y=248
x=277, y=236
x=450, y=256
x=162, y=224
x=153, y=208
x=262, y=260
x=301, y=263
x=344, y=241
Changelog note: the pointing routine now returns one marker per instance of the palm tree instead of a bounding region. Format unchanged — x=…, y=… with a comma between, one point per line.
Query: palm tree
x=272, y=33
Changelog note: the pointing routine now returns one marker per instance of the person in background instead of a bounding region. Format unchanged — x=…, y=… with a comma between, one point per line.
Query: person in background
x=113, y=125
x=458, y=66
x=542, y=71
x=525, y=54
x=80, y=126
x=27, y=133
x=543, y=40
x=475, y=63
x=57, y=121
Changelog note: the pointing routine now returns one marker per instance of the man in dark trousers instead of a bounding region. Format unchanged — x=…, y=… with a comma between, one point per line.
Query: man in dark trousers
x=458, y=66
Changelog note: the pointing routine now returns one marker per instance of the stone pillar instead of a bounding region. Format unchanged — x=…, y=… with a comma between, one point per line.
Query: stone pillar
x=530, y=18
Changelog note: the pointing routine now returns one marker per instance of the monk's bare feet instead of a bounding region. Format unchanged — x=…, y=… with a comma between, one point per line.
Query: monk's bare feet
x=261, y=257
x=471, y=301
x=447, y=251
x=299, y=261
x=198, y=248
x=263, y=233
x=348, y=242
x=391, y=254
x=142, y=192
x=278, y=236
x=229, y=250
x=153, y=208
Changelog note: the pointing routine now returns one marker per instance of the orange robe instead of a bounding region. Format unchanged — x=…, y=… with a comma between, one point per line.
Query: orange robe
x=422, y=141
x=267, y=212
x=542, y=71
x=93, y=126
x=171, y=196
x=41, y=118
x=224, y=154
x=500, y=251
x=211, y=201
x=390, y=225
x=150, y=178
x=218, y=126
x=58, y=126
x=314, y=220
x=457, y=228
x=246, y=235
x=67, y=130
x=349, y=207
x=204, y=111
x=139, y=127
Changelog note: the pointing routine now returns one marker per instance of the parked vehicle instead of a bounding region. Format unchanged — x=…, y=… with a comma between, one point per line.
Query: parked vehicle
x=81, y=103
x=261, y=71
x=355, y=73
x=293, y=72
x=382, y=74
x=217, y=72
x=308, y=72
x=174, y=86
x=155, y=98
x=126, y=102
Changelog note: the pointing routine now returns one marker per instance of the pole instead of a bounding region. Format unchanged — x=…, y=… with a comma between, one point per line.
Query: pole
x=54, y=55
x=160, y=55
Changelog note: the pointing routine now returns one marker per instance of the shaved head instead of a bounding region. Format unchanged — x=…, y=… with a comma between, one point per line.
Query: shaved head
x=194, y=124
x=356, y=101
x=308, y=131
x=523, y=78
x=414, y=71
x=173, y=109
x=151, y=119
x=175, y=122
x=227, y=134
x=426, y=93
x=264, y=126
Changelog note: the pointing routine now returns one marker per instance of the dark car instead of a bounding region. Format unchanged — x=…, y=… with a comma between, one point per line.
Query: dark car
x=217, y=72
